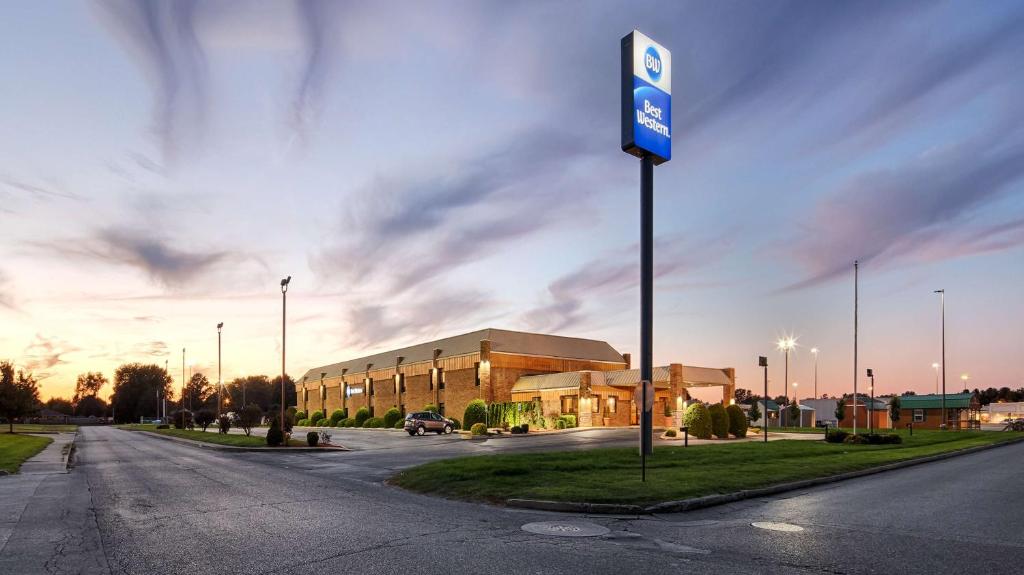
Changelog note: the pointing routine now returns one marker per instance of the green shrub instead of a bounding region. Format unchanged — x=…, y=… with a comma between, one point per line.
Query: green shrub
x=275, y=436
x=224, y=424
x=312, y=438
x=323, y=422
x=336, y=416
x=560, y=424
x=698, y=420
x=316, y=416
x=478, y=429
x=362, y=414
x=476, y=412
x=163, y=426
x=348, y=422
x=373, y=422
x=399, y=424
x=525, y=427
x=431, y=408
x=300, y=415
x=670, y=433
x=455, y=423
x=302, y=423
x=836, y=436
x=391, y=416
x=570, y=420
x=737, y=421
x=719, y=421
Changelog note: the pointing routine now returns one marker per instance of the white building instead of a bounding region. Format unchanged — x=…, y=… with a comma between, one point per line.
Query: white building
x=1000, y=412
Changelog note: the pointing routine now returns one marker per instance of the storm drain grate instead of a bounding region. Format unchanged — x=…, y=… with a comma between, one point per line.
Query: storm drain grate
x=565, y=528
x=774, y=526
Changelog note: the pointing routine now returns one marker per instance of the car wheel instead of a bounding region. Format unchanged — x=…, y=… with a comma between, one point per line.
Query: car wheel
x=420, y=430
x=411, y=433
x=447, y=429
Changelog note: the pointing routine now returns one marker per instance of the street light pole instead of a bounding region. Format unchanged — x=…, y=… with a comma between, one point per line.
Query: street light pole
x=942, y=300
x=814, y=350
x=871, y=407
x=935, y=366
x=762, y=361
x=220, y=380
x=181, y=407
x=284, y=306
x=856, y=264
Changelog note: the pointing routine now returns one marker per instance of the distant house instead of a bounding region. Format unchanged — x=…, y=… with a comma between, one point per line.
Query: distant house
x=962, y=410
x=877, y=410
x=771, y=409
x=47, y=415
x=824, y=410
x=804, y=419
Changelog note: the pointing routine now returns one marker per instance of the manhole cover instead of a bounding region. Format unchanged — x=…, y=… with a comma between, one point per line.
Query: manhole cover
x=773, y=526
x=565, y=528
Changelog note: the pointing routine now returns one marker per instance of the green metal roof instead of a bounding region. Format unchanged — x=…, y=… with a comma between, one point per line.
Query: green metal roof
x=934, y=401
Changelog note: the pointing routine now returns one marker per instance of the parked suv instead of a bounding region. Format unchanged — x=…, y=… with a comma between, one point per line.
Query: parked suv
x=420, y=422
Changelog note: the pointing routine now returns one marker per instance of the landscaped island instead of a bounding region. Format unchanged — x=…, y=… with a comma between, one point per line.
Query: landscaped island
x=673, y=473
x=232, y=439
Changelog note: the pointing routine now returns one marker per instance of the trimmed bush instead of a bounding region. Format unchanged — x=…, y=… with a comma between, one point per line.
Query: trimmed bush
x=516, y=430
x=399, y=424
x=560, y=424
x=300, y=415
x=455, y=423
x=302, y=423
x=719, y=421
x=348, y=422
x=205, y=417
x=476, y=412
x=670, y=433
x=431, y=408
x=737, y=421
x=478, y=429
x=373, y=422
x=163, y=426
x=836, y=436
x=336, y=416
x=872, y=439
x=570, y=420
x=698, y=420
x=323, y=422
x=312, y=438
x=316, y=416
x=362, y=414
x=275, y=436
x=525, y=427
x=224, y=424
x=391, y=416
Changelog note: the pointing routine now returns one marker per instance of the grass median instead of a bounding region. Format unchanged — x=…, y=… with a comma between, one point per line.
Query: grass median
x=232, y=439
x=15, y=449
x=612, y=475
x=38, y=428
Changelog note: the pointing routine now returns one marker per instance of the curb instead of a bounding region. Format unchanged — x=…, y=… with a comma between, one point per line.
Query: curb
x=237, y=449
x=723, y=498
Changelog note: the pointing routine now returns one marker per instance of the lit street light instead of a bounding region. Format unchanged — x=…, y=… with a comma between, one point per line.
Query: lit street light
x=814, y=350
x=871, y=407
x=796, y=398
x=935, y=366
x=786, y=344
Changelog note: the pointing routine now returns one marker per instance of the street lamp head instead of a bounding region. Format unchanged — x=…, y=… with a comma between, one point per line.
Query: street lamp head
x=220, y=326
x=935, y=366
x=871, y=373
x=814, y=350
x=762, y=361
x=284, y=283
x=939, y=291
x=786, y=343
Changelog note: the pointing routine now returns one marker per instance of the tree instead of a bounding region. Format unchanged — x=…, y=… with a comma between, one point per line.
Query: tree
x=782, y=400
x=290, y=395
x=840, y=410
x=755, y=411
x=743, y=396
x=197, y=391
x=894, y=410
x=19, y=396
x=88, y=384
x=91, y=406
x=794, y=415
x=204, y=417
x=137, y=388
x=60, y=405
x=249, y=417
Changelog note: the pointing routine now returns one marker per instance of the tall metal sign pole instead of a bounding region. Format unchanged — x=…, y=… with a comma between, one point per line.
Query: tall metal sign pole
x=646, y=133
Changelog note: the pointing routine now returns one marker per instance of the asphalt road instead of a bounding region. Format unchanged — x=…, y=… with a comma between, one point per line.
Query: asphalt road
x=139, y=504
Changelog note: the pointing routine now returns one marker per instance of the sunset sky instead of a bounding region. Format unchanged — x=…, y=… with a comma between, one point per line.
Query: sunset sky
x=424, y=169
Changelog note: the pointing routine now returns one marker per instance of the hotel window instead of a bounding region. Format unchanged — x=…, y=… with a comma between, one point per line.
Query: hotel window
x=476, y=366
x=569, y=403
x=440, y=378
x=918, y=415
x=595, y=404
x=612, y=405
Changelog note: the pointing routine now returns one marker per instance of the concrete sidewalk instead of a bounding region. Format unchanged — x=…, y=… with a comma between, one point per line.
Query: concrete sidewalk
x=53, y=459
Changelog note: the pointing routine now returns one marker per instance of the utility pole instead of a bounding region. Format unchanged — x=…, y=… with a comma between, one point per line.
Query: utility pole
x=855, y=303
x=942, y=297
x=220, y=381
x=182, y=402
x=284, y=307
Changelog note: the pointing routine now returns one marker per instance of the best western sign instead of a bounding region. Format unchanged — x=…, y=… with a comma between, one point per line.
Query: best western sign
x=646, y=98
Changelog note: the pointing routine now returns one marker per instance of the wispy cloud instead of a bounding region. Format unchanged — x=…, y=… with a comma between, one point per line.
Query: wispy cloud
x=44, y=353
x=613, y=273
x=378, y=325
x=6, y=299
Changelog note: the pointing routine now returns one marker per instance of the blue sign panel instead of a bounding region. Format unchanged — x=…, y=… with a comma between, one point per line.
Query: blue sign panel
x=646, y=98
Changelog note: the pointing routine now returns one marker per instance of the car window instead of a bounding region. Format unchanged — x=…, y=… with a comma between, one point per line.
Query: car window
x=436, y=417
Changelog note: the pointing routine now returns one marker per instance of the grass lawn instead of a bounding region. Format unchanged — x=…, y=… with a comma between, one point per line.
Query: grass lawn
x=237, y=440
x=15, y=449
x=612, y=475
x=37, y=428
